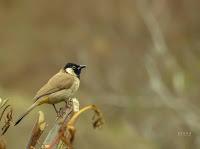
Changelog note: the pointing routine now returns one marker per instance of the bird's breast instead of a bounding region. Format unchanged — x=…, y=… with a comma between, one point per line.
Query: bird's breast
x=75, y=85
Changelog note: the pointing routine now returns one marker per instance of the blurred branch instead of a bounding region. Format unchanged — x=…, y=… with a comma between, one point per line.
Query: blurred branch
x=184, y=110
x=37, y=131
x=160, y=46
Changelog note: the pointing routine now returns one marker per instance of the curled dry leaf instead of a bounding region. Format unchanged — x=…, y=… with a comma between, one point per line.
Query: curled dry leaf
x=63, y=133
x=8, y=120
x=2, y=143
x=97, y=118
x=41, y=121
x=37, y=131
x=3, y=103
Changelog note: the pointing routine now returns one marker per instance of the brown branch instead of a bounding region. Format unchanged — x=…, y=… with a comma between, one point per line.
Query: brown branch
x=37, y=131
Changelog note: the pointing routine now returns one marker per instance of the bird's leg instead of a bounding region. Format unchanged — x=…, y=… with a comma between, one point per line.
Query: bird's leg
x=57, y=112
x=66, y=104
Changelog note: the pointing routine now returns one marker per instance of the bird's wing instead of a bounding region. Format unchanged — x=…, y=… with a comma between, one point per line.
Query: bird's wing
x=57, y=83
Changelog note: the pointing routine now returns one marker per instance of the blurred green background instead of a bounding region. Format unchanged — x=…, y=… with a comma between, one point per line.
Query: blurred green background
x=143, y=66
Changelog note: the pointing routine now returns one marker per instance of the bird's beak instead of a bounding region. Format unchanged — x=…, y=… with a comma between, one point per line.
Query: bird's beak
x=82, y=66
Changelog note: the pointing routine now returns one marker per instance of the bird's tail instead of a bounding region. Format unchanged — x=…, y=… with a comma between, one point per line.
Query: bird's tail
x=27, y=112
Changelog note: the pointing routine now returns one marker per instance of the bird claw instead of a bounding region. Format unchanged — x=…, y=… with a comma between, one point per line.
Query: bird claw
x=69, y=103
x=60, y=113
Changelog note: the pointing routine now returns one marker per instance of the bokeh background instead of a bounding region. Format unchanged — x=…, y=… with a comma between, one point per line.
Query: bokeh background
x=143, y=59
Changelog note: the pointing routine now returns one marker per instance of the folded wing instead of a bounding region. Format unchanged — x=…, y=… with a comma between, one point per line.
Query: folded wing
x=57, y=83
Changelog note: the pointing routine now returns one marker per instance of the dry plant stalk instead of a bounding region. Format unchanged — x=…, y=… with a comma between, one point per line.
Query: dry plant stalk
x=57, y=132
x=68, y=135
x=62, y=134
x=37, y=131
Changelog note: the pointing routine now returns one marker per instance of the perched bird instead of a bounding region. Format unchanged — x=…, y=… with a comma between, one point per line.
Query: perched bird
x=61, y=87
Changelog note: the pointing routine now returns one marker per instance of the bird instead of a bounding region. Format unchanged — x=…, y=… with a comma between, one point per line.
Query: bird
x=61, y=87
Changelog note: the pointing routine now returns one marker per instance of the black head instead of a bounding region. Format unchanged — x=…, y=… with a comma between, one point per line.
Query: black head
x=75, y=68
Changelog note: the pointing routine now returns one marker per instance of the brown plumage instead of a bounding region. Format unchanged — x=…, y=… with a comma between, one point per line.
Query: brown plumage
x=60, y=87
x=59, y=81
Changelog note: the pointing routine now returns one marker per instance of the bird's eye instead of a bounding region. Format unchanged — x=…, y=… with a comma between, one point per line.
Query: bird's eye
x=73, y=67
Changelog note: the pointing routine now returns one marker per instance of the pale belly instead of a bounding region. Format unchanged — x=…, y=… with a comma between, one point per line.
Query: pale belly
x=60, y=96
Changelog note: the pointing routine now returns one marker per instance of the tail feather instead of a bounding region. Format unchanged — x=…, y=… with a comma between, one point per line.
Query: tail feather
x=27, y=112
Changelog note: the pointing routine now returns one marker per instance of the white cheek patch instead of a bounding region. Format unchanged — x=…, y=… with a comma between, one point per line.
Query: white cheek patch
x=70, y=71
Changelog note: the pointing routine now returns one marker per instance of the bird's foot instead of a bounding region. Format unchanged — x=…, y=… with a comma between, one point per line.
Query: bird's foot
x=68, y=103
x=60, y=112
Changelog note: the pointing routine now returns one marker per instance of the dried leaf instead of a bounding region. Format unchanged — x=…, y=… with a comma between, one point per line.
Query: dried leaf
x=3, y=103
x=37, y=131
